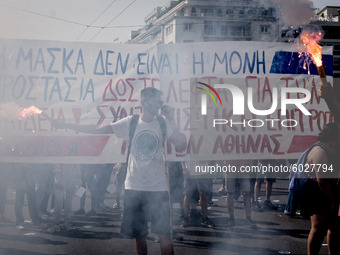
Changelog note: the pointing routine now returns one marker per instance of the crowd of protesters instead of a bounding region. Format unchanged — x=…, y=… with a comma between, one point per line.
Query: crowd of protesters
x=51, y=189
x=147, y=191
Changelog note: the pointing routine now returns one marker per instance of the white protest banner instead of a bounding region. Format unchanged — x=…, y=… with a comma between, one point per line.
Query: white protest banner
x=93, y=83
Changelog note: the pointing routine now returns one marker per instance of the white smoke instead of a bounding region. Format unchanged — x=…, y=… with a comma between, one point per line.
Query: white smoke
x=9, y=111
x=293, y=13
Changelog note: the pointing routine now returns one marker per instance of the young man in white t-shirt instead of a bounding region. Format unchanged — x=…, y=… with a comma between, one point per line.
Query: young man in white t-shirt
x=146, y=189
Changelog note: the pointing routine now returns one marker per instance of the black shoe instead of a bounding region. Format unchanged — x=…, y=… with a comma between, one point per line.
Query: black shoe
x=36, y=222
x=257, y=207
x=231, y=222
x=80, y=212
x=207, y=222
x=54, y=229
x=269, y=206
x=185, y=223
x=103, y=207
x=91, y=213
x=176, y=237
x=45, y=212
x=212, y=204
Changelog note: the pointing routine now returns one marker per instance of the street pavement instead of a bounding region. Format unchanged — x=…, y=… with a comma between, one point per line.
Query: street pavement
x=276, y=232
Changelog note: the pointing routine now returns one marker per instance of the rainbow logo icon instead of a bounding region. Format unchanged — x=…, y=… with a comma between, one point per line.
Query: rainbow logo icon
x=204, y=97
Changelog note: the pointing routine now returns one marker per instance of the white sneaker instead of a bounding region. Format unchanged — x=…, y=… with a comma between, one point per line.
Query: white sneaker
x=20, y=227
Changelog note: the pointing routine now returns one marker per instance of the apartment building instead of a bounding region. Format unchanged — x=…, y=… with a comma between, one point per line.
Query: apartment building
x=230, y=20
x=205, y=21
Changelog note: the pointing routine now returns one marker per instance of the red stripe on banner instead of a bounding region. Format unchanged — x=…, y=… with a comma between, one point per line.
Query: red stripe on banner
x=53, y=146
x=300, y=143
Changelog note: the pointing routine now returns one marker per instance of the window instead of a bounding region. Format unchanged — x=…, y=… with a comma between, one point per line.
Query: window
x=264, y=29
x=193, y=12
x=250, y=13
x=238, y=31
x=157, y=32
x=230, y=13
x=336, y=62
x=224, y=30
x=208, y=28
x=181, y=12
x=169, y=29
x=241, y=14
x=219, y=13
x=336, y=48
x=188, y=27
x=207, y=12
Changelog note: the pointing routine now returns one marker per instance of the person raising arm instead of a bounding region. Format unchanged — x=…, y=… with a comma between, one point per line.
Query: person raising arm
x=327, y=93
x=150, y=108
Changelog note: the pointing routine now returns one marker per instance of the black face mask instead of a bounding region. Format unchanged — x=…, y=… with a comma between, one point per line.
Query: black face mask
x=153, y=107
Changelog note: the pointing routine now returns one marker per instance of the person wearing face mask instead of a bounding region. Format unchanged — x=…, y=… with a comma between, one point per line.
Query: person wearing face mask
x=146, y=189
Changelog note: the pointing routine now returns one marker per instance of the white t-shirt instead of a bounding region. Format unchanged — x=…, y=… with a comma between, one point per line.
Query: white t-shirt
x=146, y=166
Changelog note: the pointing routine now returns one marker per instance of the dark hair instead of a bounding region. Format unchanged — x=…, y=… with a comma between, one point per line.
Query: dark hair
x=149, y=92
x=329, y=133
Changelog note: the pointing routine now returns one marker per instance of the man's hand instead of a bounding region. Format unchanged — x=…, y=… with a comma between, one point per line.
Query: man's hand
x=325, y=90
x=88, y=129
x=168, y=112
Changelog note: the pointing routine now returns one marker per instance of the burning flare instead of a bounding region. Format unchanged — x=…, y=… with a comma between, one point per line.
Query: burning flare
x=313, y=48
x=29, y=111
x=310, y=38
x=11, y=111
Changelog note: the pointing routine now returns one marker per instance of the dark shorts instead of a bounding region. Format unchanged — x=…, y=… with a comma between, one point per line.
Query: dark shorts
x=141, y=206
x=203, y=186
x=313, y=200
x=261, y=178
x=233, y=183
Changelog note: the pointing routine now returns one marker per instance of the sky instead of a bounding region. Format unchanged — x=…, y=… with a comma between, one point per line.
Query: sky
x=82, y=20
